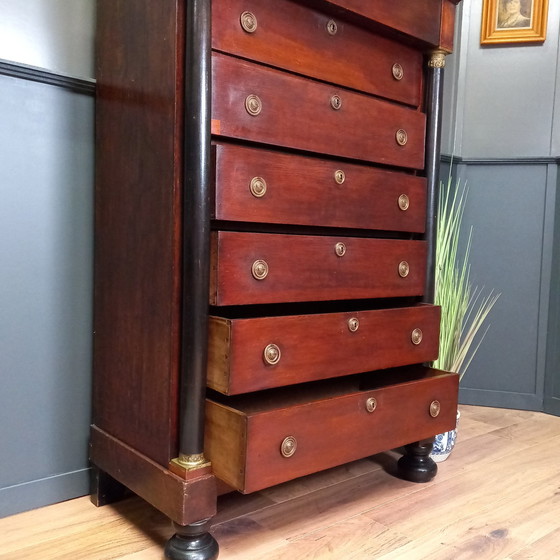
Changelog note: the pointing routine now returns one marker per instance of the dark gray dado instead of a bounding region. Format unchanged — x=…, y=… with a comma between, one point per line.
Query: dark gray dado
x=511, y=207
x=46, y=188
x=552, y=379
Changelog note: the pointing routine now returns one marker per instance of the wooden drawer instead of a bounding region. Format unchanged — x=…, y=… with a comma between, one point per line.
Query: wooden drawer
x=260, y=353
x=250, y=268
x=311, y=191
x=420, y=18
x=296, y=112
x=331, y=426
x=296, y=38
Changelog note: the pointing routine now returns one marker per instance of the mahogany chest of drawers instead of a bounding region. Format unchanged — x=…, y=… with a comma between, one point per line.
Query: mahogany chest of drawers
x=265, y=188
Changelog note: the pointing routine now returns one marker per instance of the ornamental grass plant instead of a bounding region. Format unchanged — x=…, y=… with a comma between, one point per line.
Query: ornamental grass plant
x=464, y=308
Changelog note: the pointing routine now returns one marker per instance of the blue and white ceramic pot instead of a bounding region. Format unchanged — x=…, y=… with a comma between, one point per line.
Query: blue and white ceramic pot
x=444, y=443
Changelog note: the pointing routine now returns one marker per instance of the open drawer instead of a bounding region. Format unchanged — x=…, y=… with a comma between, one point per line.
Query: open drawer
x=259, y=353
x=259, y=440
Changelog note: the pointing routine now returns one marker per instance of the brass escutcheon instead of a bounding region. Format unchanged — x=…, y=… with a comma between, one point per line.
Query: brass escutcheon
x=404, y=202
x=288, y=446
x=258, y=187
x=332, y=28
x=272, y=355
x=404, y=269
x=398, y=72
x=353, y=324
x=371, y=404
x=336, y=102
x=340, y=249
x=259, y=269
x=253, y=105
x=339, y=176
x=416, y=336
x=248, y=22
x=401, y=137
x=435, y=409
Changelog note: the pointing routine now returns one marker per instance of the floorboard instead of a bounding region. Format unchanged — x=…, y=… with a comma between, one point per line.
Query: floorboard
x=496, y=497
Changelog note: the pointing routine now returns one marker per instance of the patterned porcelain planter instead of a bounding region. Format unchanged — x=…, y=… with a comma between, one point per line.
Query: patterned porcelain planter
x=444, y=443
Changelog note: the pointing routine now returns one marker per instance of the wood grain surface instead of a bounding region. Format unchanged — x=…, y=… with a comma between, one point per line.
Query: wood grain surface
x=306, y=268
x=296, y=113
x=294, y=37
x=317, y=346
x=303, y=191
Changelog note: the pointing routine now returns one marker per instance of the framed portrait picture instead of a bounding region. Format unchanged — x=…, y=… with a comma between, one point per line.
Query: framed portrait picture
x=513, y=21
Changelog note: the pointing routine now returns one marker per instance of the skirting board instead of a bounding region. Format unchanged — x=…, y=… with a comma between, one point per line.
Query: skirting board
x=43, y=492
x=500, y=399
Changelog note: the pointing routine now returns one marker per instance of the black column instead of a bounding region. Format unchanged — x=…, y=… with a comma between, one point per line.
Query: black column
x=196, y=228
x=434, y=101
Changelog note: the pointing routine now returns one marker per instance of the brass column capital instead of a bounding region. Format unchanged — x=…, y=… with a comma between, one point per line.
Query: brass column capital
x=437, y=59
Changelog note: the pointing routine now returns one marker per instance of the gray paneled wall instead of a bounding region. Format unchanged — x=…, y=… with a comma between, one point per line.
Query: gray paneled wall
x=53, y=34
x=46, y=254
x=46, y=188
x=552, y=378
x=502, y=97
x=502, y=106
x=510, y=207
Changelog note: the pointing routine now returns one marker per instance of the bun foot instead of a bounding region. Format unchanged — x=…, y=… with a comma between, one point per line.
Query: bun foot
x=192, y=542
x=417, y=465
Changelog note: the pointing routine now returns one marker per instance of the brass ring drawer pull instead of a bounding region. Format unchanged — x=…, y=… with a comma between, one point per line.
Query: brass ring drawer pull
x=259, y=269
x=435, y=409
x=340, y=249
x=332, y=27
x=272, y=355
x=353, y=324
x=398, y=72
x=258, y=187
x=339, y=176
x=336, y=102
x=248, y=22
x=404, y=202
x=416, y=336
x=404, y=269
x=371, y=404
x=401, y=137
x=288, y=446
x=253, y=105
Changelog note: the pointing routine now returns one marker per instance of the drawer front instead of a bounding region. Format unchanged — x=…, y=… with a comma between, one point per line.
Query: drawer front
x=294, y=37
x=254, y=185
x=259, y=104
x=326, y=432
x=420, y=18
x=252, y=354
x=250, y=268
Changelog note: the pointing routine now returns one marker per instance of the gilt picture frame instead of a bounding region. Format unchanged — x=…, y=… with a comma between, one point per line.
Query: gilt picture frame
x=513, y=21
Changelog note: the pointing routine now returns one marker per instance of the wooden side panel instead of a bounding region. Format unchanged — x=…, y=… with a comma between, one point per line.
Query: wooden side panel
x=306, y=268
x=184, y=501
x=303, y=191
x=297, y=113
x=137, y=224
x=321, y=346
x=447, y=32
x=225, y=443
x=219, y=351
x=291, y=36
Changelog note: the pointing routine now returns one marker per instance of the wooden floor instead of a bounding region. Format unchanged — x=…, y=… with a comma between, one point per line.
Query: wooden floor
x=496, y=497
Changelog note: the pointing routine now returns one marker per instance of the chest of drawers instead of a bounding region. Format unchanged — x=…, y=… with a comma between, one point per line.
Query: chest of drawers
x=265, y=187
